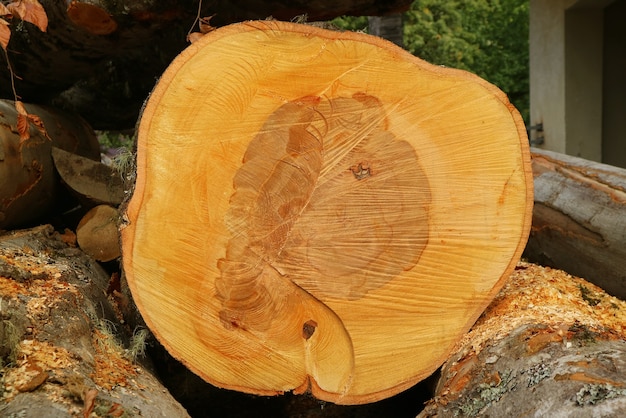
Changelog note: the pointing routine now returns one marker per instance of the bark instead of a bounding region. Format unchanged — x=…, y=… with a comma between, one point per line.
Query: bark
x=66, y=348
x=29, y=187
x=92, y=182
x=331, y=226
x=101, y=59
x=549, y=345
x=579, y=219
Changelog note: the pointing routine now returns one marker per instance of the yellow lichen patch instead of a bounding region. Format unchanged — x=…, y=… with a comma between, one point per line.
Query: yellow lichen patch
x=550, y=297
x=111, y=368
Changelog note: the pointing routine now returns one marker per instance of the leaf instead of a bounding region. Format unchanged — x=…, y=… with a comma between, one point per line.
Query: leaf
x=116, y=410
x=194, y=36
x=91, y=18
x=21, y=110
x=4, y=11
x=5, y=33
x=205, y=25
x=30, y=11
x=23, y=128
x=90, y=402
x=24, y=119
x=36, y=120
x=17, y=9
x=36, y=15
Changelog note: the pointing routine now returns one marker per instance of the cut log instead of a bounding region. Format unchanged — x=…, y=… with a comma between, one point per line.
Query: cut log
x=61, y=347
x=101, y=58
x=579, y=219
x=28, y=183
x=97, y=234
x=549, y=345
x=321, y=211
x=92, y=182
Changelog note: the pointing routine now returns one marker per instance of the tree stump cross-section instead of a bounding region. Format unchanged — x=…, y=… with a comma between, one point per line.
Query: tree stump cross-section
x=322, y=211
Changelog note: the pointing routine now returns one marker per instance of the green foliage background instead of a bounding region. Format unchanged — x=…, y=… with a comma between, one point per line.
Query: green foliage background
x=486, y=37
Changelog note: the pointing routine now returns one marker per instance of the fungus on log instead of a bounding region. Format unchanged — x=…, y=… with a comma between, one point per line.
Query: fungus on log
x=319, y=210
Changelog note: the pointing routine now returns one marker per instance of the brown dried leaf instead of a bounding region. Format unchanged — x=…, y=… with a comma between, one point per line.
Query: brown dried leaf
x=116, y=410
x=30, y=11
x=4, y=11
x=5, y=33
x=23, y=128
x=21, y=110
x=194, y=36
x=17, y=9
x=91, y=18
x=33, y=382
x=205, y=24
x=36, y=120
x=90, y=402
x=23, y=122
x=36, y=14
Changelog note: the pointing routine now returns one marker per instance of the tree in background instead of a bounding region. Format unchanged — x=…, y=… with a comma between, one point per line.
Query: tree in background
x=486, y=37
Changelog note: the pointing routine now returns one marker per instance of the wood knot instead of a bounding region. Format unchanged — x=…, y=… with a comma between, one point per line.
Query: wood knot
x=308, y=328
x=361, y=170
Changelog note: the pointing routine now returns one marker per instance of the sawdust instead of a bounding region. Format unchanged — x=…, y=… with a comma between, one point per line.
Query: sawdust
x=42, y=288
x=111, y=367
x=550, y=297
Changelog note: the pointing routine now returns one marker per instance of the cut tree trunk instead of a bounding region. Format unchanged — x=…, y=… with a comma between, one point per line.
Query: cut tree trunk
x=62, y=333
x=92, y=182
x=321, y=211
x=97, y=233
x=101, y=58
x=29, y=187
x=549, y=345
x=579, y=219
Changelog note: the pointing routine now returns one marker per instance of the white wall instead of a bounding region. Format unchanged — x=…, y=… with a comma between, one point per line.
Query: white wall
x=572, y=92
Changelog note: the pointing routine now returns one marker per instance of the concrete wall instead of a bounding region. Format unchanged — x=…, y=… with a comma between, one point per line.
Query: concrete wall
x=614, y=92
x=577, y=77
x=583, y=82
x=547, y=70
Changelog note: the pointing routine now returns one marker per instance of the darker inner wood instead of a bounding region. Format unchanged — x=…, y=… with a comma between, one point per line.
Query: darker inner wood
x=330, y=199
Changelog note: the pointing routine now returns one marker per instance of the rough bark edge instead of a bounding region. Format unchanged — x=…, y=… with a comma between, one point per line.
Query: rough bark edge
x=579, y=221
x=540, y=333
x=62, y=335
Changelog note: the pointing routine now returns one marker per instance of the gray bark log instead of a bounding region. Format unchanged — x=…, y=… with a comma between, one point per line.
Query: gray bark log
x=579, y=219
x=549, y=345
x=61, y=337
x=579, y=380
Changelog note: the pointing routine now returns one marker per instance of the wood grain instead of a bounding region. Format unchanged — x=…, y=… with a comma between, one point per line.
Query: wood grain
x=321, y=211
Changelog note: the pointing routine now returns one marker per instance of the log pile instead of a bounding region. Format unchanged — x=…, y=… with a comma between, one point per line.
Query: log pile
x=548, y=342
x=101, y=58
